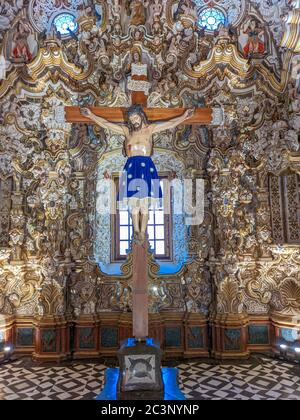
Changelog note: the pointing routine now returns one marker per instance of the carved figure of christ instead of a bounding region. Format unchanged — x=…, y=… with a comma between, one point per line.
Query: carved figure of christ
x=139, y=184
x=140, y=125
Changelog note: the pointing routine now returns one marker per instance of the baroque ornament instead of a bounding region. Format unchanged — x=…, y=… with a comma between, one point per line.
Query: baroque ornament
x=56, y=246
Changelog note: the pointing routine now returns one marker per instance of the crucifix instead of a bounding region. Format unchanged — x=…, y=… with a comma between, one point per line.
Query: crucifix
x=139, y=184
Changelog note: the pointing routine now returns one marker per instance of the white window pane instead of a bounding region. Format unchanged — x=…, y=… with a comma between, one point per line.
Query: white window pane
x=162, y=186
x=159, y=218
x=151, y=232
x=151, y=217
x=123, y=218
x=123, y=247
x=124, y=233
x=160, y=232
x=156, y=230
x=160, y=248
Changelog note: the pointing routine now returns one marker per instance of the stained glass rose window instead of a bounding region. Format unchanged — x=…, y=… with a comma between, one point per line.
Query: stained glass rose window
x=210, y=18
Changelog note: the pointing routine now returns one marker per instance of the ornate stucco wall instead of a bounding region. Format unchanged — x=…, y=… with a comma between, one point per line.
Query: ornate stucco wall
x=239, y=289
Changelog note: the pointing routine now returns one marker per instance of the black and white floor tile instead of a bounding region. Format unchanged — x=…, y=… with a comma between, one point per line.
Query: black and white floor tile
x=264, y=380
x=257, y=379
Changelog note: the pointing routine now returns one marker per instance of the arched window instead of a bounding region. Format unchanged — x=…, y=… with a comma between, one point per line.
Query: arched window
x=159, y=232
x=210, y=18
x=113, y=230
x=64, y=23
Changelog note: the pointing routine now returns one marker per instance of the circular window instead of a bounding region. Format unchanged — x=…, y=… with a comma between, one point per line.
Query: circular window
x=65, y=22
x=211, y=18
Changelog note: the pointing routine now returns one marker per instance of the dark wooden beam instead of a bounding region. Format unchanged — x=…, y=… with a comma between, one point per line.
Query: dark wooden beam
x=203, y=116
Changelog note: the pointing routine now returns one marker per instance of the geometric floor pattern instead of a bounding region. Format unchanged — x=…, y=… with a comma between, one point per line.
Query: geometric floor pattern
x=266, y=380
x=257, y=379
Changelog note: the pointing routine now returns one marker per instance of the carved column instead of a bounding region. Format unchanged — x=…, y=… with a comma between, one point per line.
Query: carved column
x=235, y=242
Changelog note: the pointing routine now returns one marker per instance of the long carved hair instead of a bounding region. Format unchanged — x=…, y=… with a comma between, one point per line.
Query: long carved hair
x=136, y=110
x=133, y=110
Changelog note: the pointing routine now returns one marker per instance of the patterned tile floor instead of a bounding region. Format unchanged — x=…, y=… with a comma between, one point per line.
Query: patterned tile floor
x=256, y=379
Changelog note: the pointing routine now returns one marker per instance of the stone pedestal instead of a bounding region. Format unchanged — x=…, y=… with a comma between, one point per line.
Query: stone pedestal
x=140, y=370
x=140, y=290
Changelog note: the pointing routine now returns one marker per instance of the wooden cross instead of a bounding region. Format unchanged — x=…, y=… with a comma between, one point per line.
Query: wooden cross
x=202, y=116
x=139, y=86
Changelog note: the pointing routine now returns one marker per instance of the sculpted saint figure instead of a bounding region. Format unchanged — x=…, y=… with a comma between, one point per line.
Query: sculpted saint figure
x=21, y=48
x=255, y=32
x=137, y=11
x=139, y=187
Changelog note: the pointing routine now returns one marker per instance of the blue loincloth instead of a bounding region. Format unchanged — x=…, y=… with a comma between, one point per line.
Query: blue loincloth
x=140, y=184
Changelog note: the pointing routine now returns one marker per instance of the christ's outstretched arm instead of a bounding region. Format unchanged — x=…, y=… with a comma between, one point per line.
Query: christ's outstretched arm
x=102, y=122
x=168, y=125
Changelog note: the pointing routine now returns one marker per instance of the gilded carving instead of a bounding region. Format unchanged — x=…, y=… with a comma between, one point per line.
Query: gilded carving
x=244, y=257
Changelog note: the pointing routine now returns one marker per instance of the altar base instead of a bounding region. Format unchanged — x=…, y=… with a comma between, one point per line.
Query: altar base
x=170, y=380
x=140, y=370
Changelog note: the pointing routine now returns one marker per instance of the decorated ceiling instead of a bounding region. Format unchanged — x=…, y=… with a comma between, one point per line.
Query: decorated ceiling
x=240, y=56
